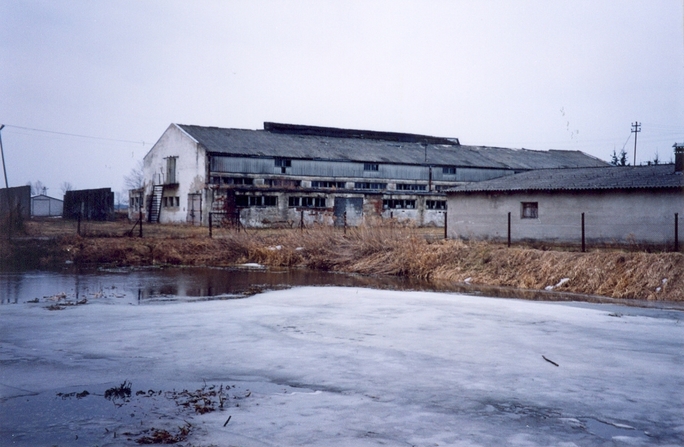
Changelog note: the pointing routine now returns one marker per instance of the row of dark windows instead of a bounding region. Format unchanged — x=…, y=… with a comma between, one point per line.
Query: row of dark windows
x=245, y=201
x=328, y=184
x=321, y=202
x=307, y=202
x=395, y=204
x=398, y=204
x=411, y=187
x=323, y=184
x=369, y=185
x=216, y=180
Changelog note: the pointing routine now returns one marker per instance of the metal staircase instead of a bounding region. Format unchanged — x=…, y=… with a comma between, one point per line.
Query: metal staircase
x=155, y=203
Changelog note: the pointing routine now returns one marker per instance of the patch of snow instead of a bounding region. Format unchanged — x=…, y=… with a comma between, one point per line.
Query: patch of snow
x=560, y=283
x=253, y=265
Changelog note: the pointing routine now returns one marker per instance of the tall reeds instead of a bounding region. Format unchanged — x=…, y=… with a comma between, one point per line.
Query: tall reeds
x=392, y=249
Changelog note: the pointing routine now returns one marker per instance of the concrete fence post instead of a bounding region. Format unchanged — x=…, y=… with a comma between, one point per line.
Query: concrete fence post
x=583, y=244
x=509, y=228
x=676, y=232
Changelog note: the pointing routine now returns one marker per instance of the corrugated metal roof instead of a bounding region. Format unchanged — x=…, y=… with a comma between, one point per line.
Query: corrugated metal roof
x=578, y=179
x=262, y=143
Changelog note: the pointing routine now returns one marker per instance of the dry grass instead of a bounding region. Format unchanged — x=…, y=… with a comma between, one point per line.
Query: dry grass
x=382, y=250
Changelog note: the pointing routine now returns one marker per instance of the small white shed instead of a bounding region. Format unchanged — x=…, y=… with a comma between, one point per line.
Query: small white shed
x=45, y=206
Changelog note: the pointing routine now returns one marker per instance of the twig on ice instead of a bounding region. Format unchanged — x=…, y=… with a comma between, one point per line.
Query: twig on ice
x=550, y=361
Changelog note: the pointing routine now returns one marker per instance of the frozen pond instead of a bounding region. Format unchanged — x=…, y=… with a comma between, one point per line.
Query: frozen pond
x=329, y=366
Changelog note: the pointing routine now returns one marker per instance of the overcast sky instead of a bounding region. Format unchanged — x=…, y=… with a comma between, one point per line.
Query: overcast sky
x=534, y=74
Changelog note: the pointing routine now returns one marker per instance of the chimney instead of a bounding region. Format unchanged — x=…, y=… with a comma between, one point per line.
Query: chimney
x=679, y=157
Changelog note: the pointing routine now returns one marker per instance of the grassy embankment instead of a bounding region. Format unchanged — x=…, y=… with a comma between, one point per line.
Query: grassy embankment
x=383, y=250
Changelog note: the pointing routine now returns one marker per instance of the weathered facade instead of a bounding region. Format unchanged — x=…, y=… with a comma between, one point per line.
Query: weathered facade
x=89, y=204
x=286, y=174
x=45, y=206
x=619, y=205
x=15, y=201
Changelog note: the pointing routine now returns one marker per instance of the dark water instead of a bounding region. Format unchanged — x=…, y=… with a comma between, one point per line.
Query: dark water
x=163, y=285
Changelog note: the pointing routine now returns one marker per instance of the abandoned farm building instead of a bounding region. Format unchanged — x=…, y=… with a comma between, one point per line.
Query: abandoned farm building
x=289, y=174
x=618, y=205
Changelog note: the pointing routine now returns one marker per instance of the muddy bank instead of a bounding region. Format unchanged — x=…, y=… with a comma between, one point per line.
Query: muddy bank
x=393, y=251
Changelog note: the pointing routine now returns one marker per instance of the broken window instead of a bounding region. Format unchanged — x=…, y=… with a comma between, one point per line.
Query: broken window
x=530, y=210
x=371, y=167
x=307, y=202
x=283, y=183
x=435, y=204
x=217, y=180
x=449, y=170
x=410, y=187
x=397, y=204
x=248, y=201
x=369, y=185
x=327, y=184
x=283, y=164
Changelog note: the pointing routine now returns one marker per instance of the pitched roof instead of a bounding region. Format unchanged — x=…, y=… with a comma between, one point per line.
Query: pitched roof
x=322, y=143
x=581, y=179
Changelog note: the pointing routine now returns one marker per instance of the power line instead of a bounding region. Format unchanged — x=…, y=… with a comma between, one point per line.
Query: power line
x=75, y=135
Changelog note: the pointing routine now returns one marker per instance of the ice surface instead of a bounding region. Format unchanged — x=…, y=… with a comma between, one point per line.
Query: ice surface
x=346, y=366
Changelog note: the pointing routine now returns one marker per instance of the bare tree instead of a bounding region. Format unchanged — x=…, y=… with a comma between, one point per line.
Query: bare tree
x=136, y=178
x=37, y=187
x=656, y=159
x=66, y=186
x=619, y=159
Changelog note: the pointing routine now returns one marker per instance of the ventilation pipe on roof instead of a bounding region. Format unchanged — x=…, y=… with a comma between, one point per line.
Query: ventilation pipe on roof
x=679, y=157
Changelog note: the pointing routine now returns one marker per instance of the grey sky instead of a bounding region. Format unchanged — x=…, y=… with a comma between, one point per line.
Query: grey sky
x=533, y=74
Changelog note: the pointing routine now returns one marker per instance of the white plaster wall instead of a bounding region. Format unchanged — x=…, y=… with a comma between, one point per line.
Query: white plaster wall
x=190, y=171
x=433, y=218
x=610, y=217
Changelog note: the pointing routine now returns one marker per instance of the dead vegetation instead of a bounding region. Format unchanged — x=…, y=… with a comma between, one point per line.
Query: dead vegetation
x=389, y=249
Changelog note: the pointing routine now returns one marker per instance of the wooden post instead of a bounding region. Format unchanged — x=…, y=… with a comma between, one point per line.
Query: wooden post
x=445, y=224
x=345, y=222
x=140, y=231
x=509, y=228
x=676, y=235
x=584, y=247
x=301, y=220
x=210, y=225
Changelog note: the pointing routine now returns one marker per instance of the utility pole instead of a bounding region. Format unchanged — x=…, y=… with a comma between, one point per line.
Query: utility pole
x=2, y=152
x=636, y=128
